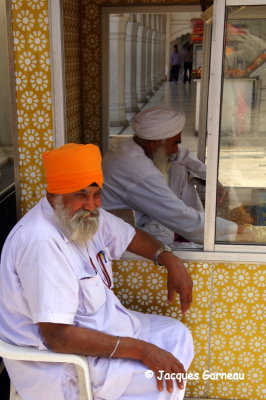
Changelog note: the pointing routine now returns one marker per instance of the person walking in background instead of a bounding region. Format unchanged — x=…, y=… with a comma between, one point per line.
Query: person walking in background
x=175, y=63
x=188, y=60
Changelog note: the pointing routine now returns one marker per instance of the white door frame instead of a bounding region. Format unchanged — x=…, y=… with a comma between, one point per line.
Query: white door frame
x=57, y=71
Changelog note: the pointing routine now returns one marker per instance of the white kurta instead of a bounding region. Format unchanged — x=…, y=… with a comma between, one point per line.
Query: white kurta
x=132, y=181
x=44, y=277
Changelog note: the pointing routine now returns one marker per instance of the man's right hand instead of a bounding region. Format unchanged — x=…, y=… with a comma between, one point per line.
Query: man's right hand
x=162, y=362
x=244, y=234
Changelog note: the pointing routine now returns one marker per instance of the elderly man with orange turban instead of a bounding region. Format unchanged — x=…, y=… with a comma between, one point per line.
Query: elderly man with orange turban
x=56, y=292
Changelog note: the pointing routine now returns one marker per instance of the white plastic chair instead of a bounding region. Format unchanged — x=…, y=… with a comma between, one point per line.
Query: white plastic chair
x=20, y=353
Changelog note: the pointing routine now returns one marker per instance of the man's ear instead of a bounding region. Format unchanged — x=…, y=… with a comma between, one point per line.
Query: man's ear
x=51, y=197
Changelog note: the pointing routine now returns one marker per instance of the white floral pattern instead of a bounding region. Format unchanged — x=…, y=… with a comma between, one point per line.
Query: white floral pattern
x=154, y=281
x=29, y=100
x=32, y=173
x=40, y=119
x=18, y=41
x=43, y=20
x=36, y=4
x=48, y=138
x=23, y=119
x=24, y=156
x=144, y=297
x=25, y=20
x=25, y=191
x=38, y=155
x=250, y=295
x=237, y=343
x=125, y=296
x=45, y=61
x=31, y=138
x=260, y=278
x=37, y=41
x=39, y=81
x=27, y=61
x=21, y=81
x=134, y=280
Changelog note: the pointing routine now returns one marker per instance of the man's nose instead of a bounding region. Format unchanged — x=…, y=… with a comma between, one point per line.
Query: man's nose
x=89, y=204
x=175, y=148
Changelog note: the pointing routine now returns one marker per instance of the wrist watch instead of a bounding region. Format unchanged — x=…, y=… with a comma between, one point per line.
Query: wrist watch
x=159, y=252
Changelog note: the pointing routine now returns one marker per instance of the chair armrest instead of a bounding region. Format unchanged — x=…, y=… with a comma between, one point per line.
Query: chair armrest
x=13, y=352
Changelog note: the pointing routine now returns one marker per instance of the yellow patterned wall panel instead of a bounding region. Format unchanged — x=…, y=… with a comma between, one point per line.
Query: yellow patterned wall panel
x=33, y=94
x=238, y=331
x=227, y=320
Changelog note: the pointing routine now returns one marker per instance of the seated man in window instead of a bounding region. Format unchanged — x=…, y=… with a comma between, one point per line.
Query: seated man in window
x=55, y=292
x=153, y=175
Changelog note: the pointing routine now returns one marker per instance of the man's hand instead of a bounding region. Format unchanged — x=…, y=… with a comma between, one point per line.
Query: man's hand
x=178, y=280
x=244, y=234
x=162, y=362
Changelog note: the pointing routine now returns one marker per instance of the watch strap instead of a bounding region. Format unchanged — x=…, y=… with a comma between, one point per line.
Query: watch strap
x=158, y=252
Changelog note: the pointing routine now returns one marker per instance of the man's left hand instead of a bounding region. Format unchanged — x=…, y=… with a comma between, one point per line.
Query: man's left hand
x=178, y=280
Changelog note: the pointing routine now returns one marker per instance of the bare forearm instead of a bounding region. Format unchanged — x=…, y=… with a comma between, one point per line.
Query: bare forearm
x=71, y=339
x=144, y=244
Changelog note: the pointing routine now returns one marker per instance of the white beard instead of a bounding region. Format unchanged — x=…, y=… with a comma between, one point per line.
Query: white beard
x=81, y=226
x=162, y=162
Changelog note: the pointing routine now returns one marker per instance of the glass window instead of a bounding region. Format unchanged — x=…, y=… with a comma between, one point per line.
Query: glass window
x=241, y=194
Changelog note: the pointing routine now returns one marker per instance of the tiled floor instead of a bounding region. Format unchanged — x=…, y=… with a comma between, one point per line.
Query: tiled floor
x=177, y=96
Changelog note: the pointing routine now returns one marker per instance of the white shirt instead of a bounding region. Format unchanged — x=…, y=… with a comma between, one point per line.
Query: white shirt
x=44, y=277
x=132, y=181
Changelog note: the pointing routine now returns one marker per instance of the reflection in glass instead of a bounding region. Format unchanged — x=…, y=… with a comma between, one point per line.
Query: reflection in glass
x=242, y=154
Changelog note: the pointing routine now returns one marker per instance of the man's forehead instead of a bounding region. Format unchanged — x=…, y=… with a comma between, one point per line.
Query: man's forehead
x=89, y=189
x=173, y=138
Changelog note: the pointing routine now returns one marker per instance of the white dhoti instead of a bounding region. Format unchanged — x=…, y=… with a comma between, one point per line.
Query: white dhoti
x=172, y=336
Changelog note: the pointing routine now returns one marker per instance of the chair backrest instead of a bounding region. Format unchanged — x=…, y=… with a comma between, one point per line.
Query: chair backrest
x=13, y=352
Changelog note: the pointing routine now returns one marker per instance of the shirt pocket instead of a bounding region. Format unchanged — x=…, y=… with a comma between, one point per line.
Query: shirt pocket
x=92, y=294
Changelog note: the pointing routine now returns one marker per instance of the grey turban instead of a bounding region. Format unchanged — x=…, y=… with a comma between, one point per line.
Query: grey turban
x=157, y=123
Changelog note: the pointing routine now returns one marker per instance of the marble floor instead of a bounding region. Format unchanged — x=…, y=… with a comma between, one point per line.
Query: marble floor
x=174, y=95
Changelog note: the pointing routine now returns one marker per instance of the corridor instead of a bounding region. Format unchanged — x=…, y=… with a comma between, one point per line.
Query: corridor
x=177, y=96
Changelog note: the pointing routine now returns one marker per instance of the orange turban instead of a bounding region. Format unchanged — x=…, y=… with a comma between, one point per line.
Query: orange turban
x=72, y=167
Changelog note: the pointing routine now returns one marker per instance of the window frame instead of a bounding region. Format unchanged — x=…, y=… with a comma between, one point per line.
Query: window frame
x=213, y=132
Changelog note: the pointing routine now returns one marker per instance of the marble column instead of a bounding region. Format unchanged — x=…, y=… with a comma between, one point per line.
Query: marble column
x=141, y=64
x=158, y=60
x=154, y=61
x=162, y=58
x=131, y=67
x=149, y=63
x=117, y=70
